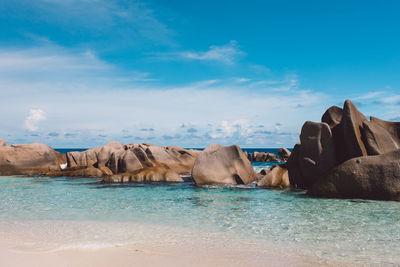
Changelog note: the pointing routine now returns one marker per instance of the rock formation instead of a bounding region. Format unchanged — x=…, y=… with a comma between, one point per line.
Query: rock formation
x=130, y=163
x=262, y=157
x=370, y=177
x=223, y=165
x=28, y=159
x=341, y=156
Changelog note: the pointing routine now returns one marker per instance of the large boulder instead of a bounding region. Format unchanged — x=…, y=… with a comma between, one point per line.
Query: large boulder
x=348, y=136
x=313, y=157
x=332, y=116
x=370, y=177
x=29, y=159
x=104, y=154
x=223, y=165
x=84, y=158
x=337, y=157
x=380, y=136
x=317, y=154
x=276, y=177
x=176, y=158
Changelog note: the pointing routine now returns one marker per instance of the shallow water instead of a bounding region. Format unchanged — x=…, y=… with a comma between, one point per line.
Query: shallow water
x=345, y=230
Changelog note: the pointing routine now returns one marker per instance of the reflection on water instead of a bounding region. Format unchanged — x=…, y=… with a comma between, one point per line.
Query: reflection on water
x=349, y=230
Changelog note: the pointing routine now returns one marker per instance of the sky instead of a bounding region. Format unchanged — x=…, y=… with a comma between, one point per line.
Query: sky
x=81, y=73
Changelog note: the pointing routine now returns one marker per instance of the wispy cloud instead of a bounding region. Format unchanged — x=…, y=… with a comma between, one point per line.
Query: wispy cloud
x=226, y=54
x=124, y=23
x=370, y=95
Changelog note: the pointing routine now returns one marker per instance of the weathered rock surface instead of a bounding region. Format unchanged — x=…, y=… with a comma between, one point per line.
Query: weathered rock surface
x=151, y=174
x=371, y=177
x=350, y=138
x=29, y=159
x=276, y=177
x=340, y=156
x=380, y=136
x=317, y=153
x=262, y=157
x=138, y=162
x=223, y=165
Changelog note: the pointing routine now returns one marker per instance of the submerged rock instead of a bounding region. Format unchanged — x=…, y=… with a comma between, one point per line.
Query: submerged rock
x=223, y=165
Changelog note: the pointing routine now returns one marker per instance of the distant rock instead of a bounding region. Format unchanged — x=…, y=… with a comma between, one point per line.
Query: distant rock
x=276, y=177
x=223, y=165
x=284, y=153
x=131, y=162
x=29, y=159
x=263, y=157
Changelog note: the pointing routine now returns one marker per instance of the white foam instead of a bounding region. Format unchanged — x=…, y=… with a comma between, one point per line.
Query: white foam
x=63, y=166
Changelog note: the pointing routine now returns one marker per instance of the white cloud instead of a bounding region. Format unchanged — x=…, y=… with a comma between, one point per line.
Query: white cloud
x=49, y=58
x=226, y=54
x=33, y=118
x=242, y=80
x=370, y=95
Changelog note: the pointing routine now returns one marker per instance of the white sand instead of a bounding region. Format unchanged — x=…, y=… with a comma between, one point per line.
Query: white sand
x=157, y=246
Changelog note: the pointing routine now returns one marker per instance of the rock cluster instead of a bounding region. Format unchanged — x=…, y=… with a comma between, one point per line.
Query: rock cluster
x=131, y=163
x=262, y=157
x=346, y=155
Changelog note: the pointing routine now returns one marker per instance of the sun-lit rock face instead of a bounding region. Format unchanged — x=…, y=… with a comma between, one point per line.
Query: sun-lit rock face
x=29, y=159
x=131, y=162
x=223, y=165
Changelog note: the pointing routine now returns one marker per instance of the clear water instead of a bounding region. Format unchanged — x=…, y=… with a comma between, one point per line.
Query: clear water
x=355, y=231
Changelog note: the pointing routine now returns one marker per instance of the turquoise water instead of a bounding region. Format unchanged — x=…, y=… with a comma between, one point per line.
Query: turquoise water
x=346, y=230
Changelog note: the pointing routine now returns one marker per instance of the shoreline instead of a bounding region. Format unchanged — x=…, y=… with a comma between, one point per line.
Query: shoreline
x=155, y=246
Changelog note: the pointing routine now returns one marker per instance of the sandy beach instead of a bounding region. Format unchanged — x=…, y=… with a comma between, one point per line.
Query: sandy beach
x=185, y=250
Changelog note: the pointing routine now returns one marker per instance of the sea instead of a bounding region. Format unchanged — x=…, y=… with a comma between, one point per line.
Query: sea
x=351, y=231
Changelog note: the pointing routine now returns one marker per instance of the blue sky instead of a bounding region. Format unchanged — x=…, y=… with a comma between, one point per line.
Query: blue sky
x=82, y=73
